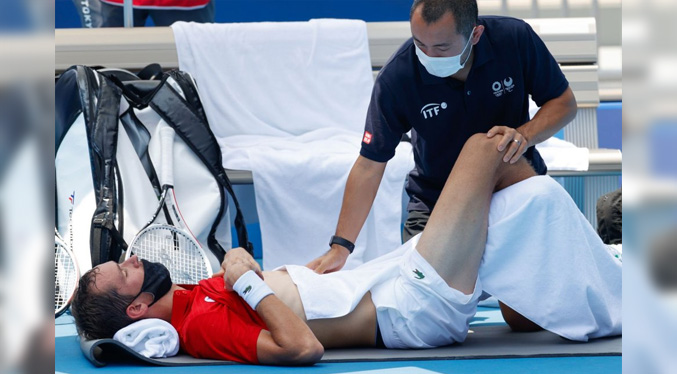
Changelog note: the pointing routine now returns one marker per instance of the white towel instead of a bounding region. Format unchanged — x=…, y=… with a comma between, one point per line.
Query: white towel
x=288, y=101
x=279, y=78
x=152, y=337
x=299, y=184
x=560, y=154
x=561, y=276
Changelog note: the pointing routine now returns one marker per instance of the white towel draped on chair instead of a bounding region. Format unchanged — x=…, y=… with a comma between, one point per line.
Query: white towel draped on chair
x=279, y=78
x=304, y=178
x=288, y=101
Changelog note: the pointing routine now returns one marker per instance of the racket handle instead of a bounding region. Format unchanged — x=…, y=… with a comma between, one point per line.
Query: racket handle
x=167, y=154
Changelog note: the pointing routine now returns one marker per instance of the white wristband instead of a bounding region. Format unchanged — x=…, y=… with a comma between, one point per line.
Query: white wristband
x=252, y=288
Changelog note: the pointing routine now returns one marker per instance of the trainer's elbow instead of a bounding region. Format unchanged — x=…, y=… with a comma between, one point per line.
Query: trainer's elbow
x=571, y=106
x=573, y=111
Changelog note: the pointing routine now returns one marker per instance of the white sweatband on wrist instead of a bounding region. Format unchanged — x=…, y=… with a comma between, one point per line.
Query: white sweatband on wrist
x=252, y=288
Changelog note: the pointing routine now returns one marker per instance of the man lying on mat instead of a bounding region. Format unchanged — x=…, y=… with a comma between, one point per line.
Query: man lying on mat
x=555, y=271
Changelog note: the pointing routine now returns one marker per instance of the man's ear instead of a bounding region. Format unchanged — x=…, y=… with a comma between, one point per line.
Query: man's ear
x=479, y=29
x=139, y=307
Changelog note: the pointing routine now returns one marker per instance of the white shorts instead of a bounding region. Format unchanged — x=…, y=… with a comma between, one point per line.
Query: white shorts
x=418, y=309
x=415, y=307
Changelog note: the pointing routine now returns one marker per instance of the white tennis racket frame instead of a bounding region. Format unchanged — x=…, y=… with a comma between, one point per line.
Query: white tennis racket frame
x=168, y=243
x=66, y=274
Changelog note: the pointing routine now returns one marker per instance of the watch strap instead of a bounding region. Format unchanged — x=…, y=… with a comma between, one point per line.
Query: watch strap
x=343, y=242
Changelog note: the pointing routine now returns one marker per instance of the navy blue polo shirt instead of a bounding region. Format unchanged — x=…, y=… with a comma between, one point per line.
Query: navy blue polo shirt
x=510, y=63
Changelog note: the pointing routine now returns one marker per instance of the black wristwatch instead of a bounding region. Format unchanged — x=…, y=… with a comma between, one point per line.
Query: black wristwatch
x=347, y=244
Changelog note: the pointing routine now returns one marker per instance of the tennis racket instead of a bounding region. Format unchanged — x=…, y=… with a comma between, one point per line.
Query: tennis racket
x=66, y=275
x=171, y=244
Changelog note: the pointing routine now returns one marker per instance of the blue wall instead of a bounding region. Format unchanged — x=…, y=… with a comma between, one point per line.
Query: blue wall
x=15, y=17
x=662, y=140
x=610, y=125
x=278, y=10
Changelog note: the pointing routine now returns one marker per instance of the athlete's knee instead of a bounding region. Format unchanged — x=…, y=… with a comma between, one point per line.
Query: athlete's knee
x=481, y=140
x=508, y=174
x=481, y=147
x=487, y=147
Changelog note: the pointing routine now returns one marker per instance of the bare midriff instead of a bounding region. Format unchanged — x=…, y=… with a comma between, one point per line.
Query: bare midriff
x=357, y=328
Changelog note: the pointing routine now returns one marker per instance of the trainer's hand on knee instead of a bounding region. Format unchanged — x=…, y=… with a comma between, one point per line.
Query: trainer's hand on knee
x=513, y=142
x=331, y=261
x=237, y=262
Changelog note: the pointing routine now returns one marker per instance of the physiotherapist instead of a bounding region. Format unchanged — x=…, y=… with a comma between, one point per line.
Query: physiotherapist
x=457, y=76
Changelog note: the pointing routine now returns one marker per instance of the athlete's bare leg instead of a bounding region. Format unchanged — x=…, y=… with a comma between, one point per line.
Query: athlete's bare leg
x=454, y=238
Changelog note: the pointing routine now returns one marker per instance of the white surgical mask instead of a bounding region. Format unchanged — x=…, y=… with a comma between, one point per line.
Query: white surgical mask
x=443, y=66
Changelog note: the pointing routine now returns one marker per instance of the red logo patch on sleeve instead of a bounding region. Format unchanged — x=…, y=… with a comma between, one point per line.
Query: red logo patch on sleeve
x=367, y=137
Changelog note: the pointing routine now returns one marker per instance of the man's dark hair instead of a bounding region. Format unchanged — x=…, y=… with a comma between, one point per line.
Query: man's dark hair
x=99, y=314
x=610, y=217
x=464, y=12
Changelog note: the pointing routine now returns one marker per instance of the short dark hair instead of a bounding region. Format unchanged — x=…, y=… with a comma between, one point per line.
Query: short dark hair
x=464, y=12
x=99, y=314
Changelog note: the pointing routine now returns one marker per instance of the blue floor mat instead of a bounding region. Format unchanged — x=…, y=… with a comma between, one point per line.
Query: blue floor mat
x=69, y=359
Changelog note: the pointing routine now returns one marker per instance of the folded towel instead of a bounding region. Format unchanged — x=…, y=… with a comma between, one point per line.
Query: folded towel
x=152, y=338
x=560, y=154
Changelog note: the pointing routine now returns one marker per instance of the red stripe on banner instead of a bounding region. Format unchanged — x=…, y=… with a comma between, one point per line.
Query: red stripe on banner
x=162, y=3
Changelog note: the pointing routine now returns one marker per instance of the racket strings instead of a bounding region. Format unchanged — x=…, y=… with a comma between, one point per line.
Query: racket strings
x=178, y=252
x=65, y=276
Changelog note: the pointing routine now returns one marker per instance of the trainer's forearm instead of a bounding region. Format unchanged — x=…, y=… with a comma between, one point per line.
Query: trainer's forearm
x=361, y=187
x=552, y=117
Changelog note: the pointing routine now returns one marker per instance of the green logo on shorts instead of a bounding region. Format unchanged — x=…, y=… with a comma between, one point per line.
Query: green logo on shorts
x=419, y=275
x=246, y=290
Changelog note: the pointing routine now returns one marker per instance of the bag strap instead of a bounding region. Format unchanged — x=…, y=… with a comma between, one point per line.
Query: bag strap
x=100, y=106
x=195, y=132
x=189, y=88
x=188, y=85
x=151, y=72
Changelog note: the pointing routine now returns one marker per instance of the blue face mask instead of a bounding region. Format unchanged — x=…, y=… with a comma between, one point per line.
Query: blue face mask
x=444, y=66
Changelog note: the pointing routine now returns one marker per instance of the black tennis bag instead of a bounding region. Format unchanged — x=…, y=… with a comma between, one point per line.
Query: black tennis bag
x=106, y=145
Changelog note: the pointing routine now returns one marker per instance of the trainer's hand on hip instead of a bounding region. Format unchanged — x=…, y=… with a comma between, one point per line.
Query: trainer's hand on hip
x=331, y=261
x=237, y=262
x=515, y=143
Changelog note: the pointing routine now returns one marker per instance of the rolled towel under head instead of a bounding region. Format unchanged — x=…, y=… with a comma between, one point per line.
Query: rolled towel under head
x=152, y=338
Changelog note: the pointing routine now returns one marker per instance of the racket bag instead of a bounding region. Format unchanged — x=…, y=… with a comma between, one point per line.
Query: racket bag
x=107, y=143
